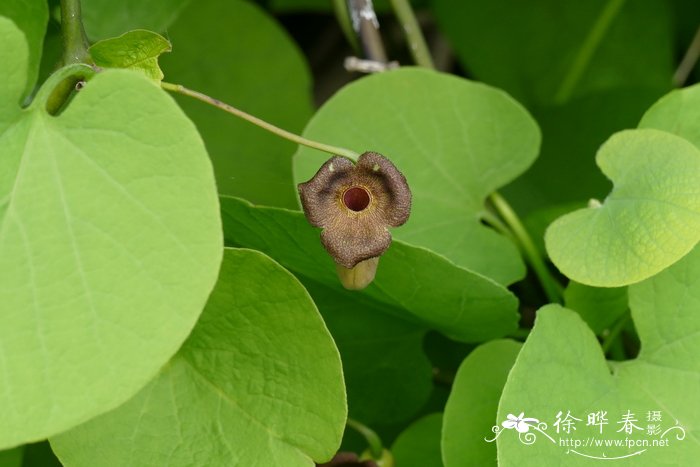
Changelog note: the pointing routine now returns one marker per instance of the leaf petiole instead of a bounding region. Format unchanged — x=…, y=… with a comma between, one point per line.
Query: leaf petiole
x=416, y=42
x=551, y=287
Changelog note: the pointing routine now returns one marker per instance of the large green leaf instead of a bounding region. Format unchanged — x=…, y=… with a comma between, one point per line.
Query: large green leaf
x=107, y=18
x=650, y=220
x=419, y=444
x=473, y=404
x=255, y=68
x=678, y=112
x=562, y=368
x=387, y=375
x=110, y=242
x=31, y=17
x=455, y=140
x=423, y=286
x=258, y=382
x=546, y=51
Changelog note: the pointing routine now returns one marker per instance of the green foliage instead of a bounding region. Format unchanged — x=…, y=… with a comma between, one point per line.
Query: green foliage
x=137, y=50
x=650, y=220
x=584, y=69
x=561, y=367
x=455, y=141
x=473, y=403
x=565, y=171
x=459, y=302
x=113, y=344
x=97, y=216
x=258, y=382
x=227, y=62
x=548, y=51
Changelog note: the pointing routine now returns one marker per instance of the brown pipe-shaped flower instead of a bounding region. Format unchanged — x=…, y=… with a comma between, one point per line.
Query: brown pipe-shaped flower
x=355, y=204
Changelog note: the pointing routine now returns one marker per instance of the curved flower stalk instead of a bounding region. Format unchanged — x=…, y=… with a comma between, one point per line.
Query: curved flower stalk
x=355, y=204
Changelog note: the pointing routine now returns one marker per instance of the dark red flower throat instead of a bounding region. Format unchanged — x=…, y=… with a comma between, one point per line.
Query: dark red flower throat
x=356, y=198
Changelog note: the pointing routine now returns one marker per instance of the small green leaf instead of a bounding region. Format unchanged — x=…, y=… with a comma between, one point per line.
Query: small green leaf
x=258, y=69
x=419, y=444
x=561, y=367
x=649, y=221
x=425, y=286
x=107, y=18
x=678, y=112
x=599, y=307
x=258, y=382
x=110, y=242
x=137, y=50
x=387, y=375
x=456, y=142
x=473, y=404
x=31, y=17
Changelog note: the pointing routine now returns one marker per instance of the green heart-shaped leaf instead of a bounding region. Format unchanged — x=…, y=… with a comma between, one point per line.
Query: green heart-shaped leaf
x=421, y=284
x=562, y=367
x=136, y=50
x=456, y=142
x=649, y=221
x=110, y=242
x=258, y=382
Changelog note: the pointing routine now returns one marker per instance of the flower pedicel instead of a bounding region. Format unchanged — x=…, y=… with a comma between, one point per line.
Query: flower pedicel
x=355, y=204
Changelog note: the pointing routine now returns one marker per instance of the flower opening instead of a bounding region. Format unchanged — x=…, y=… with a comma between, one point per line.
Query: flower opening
x=356, y=198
